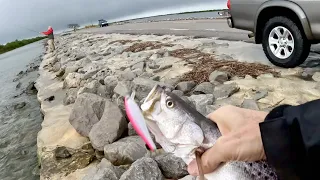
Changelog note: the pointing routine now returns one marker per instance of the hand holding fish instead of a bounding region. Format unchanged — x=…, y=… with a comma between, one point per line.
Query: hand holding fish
x=240, y=140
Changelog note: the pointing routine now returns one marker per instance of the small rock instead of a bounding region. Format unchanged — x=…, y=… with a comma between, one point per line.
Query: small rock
x=146, y=75
x=268, y=75
x=162, y=68
x=51, y=98
x=137, y=72
x=178, y=93
x=155, y=57
x=128, y=75
x=91, y=87
x=125, y=151
x=104, y=171
x=250, y=104
x=171, y=166
x=144, y=168
x=61, y=153
x=15, y=79
x=201, y=101
x=204, y=88
x=110, y=127
x=123, y=88
x=185, y=86
x=31, y=89
x=172, y=81
x=19, y=105
x=18, y=85
x=71, y=96
x=56, y=67
x=218, y=76
x=223, y=102
x=153, y=65
x=131, y=130
x=156, y=78
x=316, y=76
x=87, y=111
x=139, y=65
x=60, y=73
x=225, y=90
x=260, y=94
x=186, y=99
x=72, y=80
x=80, y=56
x=248, y=77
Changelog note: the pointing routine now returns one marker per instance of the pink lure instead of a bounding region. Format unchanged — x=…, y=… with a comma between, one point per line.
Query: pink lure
x=138, y=122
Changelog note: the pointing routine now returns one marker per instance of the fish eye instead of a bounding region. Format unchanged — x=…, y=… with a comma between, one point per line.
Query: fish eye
x=170, y=104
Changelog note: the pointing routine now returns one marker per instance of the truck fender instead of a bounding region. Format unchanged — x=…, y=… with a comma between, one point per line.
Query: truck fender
x=292, y=6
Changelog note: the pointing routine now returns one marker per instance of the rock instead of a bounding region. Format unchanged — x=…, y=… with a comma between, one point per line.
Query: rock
x=146, y=75
x=248, y=77
x=223, y=102
x=162, y=68
x=189, y=177
x=250, y=104
x=91, y=87
x=104, y=171
x=171, y=166
x=123, y=88
x=80, y=56
x=225, y=90
x=185, y=86
x=218, y=76
x=131, y=130
x=156, y=78
x=111, y=82
x=60, y=73
x=61, y=153
x=143, y=86
x=204, y=88
x=316, y=76
x=31, y=89
x=186, y=99
x=18, y=85
x=56, y=67
x=155, y=57
x=102, y=74
x=70, y=69
x=177, y=92
x=125, y=151
x=71, y=96
x=139, y=65
x=144, y=168
x=36, y=171
x=137, y=72
x=172, y=81
x=153, y=65
x=110, y=127
x=128, y=75
x=268, y=75
x=260, y=94
x=72, y=80
x=87, y=111
x=50, y=98
x=201, y=101
x=19, y=105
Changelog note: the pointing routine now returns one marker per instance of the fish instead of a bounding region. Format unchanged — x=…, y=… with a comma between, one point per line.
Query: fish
x=182, y=130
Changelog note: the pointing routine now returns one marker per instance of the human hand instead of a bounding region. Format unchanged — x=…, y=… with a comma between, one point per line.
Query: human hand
x=240, y=140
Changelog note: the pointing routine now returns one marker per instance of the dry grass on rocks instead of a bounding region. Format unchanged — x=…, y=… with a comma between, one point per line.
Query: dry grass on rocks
x=206, y=64
x=137, y=47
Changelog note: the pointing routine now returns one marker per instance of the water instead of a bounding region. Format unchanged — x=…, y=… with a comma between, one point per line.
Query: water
x=19, y=128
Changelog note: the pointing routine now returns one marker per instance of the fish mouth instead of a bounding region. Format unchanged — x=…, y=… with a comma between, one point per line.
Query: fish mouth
x=153, y=96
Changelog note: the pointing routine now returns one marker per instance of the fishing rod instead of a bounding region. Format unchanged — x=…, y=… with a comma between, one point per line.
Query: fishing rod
x=29, y=29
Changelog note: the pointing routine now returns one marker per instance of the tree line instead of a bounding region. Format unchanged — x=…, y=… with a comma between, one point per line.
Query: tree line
x=18, y=43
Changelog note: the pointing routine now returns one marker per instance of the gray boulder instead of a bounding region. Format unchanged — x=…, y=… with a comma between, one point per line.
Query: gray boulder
x=260, y=94
x=137, y=72
x=218, y=76
x=223, y=102
x=87, y=111
x=201, y=101
x=143, y=86
x=104, y=170
x=204, y=88
x=316, y=76
x=123, y=88
x=125, y=151
x=225, y=90
x=91, y=87
x=72, y=80
x=171, y=166
x=185, y=86
x=71, y=96
x=139, y=65
x=110, y=127
x=142, y=169
x=131, y=130
x=128, y=75
x=102, y=74
x=177, y=92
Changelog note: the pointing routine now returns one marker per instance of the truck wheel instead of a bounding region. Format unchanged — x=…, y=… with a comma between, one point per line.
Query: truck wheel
x=284, y=43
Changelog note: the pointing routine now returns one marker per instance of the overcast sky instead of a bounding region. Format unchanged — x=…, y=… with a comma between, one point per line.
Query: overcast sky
x=16, y=16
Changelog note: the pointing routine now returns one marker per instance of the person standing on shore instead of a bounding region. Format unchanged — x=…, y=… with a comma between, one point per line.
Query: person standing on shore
x=50, y=35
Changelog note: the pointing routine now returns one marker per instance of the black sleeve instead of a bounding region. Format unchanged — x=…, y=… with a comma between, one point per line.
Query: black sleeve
x=291, y=140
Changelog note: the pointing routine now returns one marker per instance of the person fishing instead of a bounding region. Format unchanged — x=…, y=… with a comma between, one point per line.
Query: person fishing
x=288, y=137
x=50, y=35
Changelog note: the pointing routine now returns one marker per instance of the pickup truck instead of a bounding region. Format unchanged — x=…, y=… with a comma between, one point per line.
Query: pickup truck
x=286, y=29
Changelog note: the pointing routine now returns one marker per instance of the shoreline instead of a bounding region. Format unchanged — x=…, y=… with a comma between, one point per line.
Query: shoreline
x=77, y=140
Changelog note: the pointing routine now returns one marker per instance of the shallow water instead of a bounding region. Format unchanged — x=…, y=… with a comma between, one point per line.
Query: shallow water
x=19, y=128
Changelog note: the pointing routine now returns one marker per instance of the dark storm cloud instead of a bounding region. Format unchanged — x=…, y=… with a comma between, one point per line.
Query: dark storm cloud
x=17, y=15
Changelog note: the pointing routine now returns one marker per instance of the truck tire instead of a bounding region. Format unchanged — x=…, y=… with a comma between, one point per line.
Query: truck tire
x=284, y=43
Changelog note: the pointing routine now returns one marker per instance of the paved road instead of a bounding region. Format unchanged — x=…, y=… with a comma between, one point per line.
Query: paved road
x=199, y=28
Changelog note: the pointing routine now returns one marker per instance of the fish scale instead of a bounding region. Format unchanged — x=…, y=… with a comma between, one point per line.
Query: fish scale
x=185, y=129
